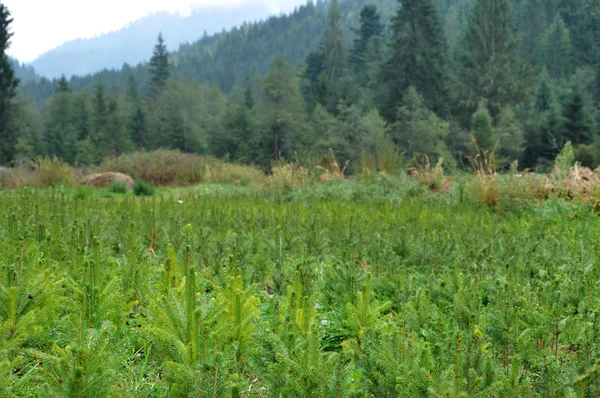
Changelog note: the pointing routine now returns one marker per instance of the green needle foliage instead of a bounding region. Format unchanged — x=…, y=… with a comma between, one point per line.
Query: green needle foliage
x=318, y=293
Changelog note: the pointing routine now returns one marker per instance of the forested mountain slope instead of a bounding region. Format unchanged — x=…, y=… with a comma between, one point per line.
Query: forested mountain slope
x=25, y=73
x=232, y=57
x=133, y=43
x=436, y=79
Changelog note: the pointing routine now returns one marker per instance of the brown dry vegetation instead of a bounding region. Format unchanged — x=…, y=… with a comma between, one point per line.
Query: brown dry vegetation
x=44, y=173
x=173, y=168
x=285, y=177
x=102, y=180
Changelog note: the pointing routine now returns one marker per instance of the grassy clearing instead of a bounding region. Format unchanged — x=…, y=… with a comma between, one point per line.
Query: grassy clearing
x=350, y=288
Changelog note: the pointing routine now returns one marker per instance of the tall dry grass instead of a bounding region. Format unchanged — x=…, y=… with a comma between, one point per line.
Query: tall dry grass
x=287, y=176
x=173, y=168
x=431, y=177
x=44, y=173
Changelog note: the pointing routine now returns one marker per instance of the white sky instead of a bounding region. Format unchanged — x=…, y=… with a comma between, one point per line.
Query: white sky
x=41, y=25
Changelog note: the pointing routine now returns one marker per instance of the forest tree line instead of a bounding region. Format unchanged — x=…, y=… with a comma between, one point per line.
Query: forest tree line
x=443, y=78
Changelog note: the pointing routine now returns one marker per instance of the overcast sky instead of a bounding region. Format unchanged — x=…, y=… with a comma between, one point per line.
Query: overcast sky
x=41, y=25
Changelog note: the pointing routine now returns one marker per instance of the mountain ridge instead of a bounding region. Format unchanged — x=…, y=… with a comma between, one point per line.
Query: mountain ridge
x=133, y=43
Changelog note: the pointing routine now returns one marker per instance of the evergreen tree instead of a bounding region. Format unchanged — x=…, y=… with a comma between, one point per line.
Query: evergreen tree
x=596, y=89
x=344, y=136
x=578, y=124
x=237, y=142
x=488, y=68
x=314, y=88
x=60, y=131
x=418, y=131
x=115, y=140
x=555, y=52
x=137, y=124
x=8, y=90
x=532, y=26
x=375, y=135
x=28, y=125
x=282, y=109
x=483, y=130
x=320, y=127
x=63, y=85
x=418, y=57
x=98, y=133
x=138, y=127
x=543, y=98
x=82, y=118
x=367, y=52
x=185, y=116
x=458, y=14
x=334, y=56
x=582, y=17
x=543, y=129
x=511, y=144
x=159, y=67
x=249, y=96
x=100, y=110
x=550, y=138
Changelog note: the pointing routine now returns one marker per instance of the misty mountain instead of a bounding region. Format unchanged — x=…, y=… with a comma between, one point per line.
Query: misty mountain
x=134, y=43
x=25, y=73
x=229, y=58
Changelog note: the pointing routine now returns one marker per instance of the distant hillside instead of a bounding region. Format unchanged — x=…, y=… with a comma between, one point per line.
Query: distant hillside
x=229, y=58
x=246, y=51
x=25, y=73
x=133, y=44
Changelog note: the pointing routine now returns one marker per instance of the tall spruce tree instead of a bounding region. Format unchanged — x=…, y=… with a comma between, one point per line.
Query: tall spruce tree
x=281, y=110
x=483, y=131
x=137, y=123
x=533, y=23
x=334, y=55
x=60, y=130
x=314, y=89
x=100, y=122
x=488, y=64
x=82, y=116
x=418, y=57
x=367, y=50
x=160, y=69
x=596, y=90
x=418, y=131
x=8, y=89
x=582, y=17
x=555, y=52
x=63, y=85
x=578, y=124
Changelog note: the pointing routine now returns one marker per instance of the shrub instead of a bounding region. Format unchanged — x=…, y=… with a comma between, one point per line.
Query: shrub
x=117, y=187
x=142, y=188
x=564, y=161
x=17, y=178
x=52, y=172
x=82, y=192
x=286, y=176
x=173, y=168
x=387, y=160
x=431, y=177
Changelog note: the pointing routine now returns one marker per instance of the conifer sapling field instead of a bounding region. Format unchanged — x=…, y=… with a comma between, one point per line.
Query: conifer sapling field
x=248, y=295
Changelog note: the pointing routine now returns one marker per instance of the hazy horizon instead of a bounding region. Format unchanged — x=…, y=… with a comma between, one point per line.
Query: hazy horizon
x=62, y=21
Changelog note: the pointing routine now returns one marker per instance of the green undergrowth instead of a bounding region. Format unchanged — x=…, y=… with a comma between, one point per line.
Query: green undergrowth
x=347, y=289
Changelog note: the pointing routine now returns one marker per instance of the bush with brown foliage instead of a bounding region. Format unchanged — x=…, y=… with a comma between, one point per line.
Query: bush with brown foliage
x=46, y=173
x=173, y=168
